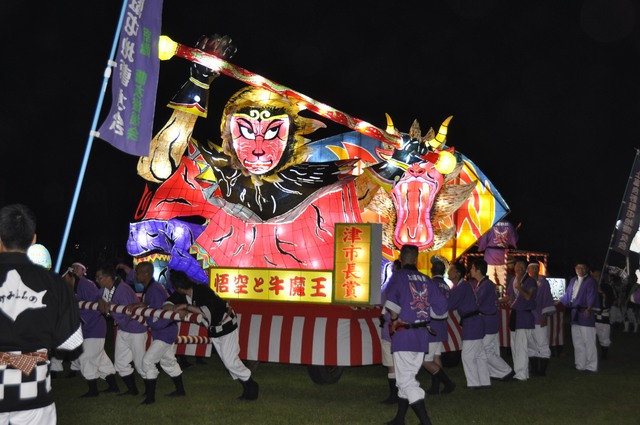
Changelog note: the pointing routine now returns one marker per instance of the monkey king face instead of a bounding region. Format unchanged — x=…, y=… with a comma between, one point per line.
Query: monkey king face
x=263, y=133
x=259, y=138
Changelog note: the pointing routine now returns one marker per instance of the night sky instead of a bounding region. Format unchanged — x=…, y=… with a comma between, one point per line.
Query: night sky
x=545, y=97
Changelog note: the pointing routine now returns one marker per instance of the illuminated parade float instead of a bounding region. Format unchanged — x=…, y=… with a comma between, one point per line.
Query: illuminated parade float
x=295, y=233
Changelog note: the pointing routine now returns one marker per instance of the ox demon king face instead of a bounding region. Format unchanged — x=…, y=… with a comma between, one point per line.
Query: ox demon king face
x=259, y=139
x=413, y=198
x=419, y=302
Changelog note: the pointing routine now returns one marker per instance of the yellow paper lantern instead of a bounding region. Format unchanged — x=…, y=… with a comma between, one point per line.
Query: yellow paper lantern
x=166, y=48
x=446, y=163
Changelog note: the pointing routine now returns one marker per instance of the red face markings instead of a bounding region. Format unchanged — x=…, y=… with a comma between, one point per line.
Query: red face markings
x=259, y=139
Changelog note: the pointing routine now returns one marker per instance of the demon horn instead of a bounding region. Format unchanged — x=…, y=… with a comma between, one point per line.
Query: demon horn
x=391, y=129
x=441, y=137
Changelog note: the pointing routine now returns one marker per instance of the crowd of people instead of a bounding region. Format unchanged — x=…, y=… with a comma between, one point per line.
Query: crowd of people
x=42, y=324
x=416, y=309
x=147, y=345
x=416, y=306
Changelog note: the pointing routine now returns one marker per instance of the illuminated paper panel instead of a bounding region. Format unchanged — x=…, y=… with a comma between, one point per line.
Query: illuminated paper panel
x=272, y=284
x=357, y=263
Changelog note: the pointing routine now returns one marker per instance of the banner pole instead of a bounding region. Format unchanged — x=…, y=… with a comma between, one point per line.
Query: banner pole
x=613, y=233
x=92, y=133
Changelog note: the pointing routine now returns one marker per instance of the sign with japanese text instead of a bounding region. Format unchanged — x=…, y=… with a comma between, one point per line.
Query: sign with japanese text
x=357, y=263
x=272, y=284
x=355, y=279
x=629, y=217
x=129, y=124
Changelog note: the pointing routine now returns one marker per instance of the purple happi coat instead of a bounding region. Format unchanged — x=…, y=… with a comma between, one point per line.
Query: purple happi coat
x=94, y=325
x=496, y=241
x=586, y=297
x=488, y=305
x=462, y=297
x=544, y=300
x=415, y=298
x=441, y=325
x=125, y=295
x=161, y=329
x=523, y=307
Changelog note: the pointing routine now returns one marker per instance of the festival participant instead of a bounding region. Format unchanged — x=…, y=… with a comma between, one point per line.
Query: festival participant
x=510, y=270
x=462, y=298
x=495, y=244
x=603, y=325
x=94, y=362
x=163, y=332
x=131, y=336
x=521, y=296
x=80, y=270
x=488, y=305
x=385, y=340
x=30, y=330
x=539, y=350
x=413, y=300
x=433, y=359
x=617, y=279
x=634, y=295
x=631, y=310
x=201, y=299
x=582, y=299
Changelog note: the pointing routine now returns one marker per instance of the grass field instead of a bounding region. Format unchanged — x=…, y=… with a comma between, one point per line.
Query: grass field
x=288, y=396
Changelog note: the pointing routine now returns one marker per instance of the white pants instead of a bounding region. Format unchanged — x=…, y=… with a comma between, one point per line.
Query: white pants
x=584, y=347
x=129, y=348
x=42, y=416
x=228, y=349
x=56, y=364
x=498, y=368
x=519, y=352
x=474, y=363
x=603, y=332
x=630, y=319
x=615, y=315
x=387, y=357
x=94, y=362
x=435, y=349
x=408, y=364
x=539, y=342
x=160, y=351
